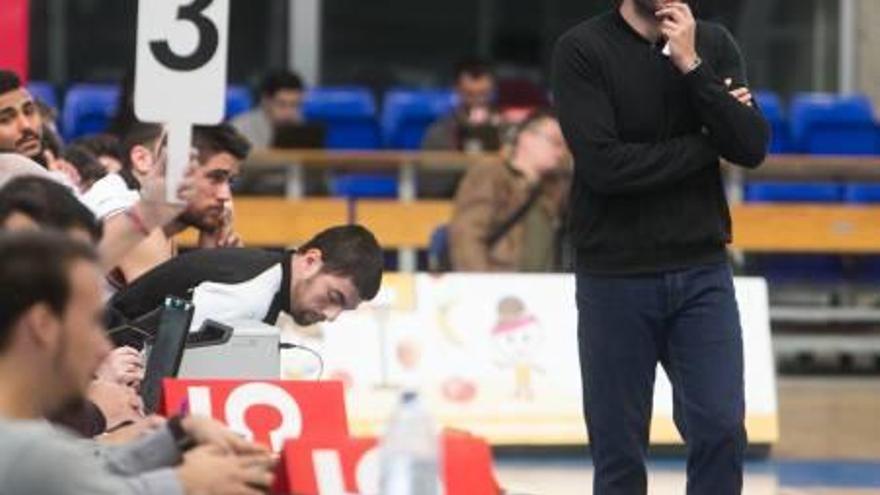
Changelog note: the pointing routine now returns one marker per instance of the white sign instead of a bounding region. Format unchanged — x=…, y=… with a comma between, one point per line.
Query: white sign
x=180, y=75
x=497, y=355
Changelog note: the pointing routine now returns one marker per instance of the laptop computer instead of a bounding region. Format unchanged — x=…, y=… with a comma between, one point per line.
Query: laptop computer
x=166, y=351
x=299, y=136
x=481, y=138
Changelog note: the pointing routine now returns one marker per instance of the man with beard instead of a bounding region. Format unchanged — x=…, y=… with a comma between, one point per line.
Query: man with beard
x=649, y=100
x=21, y=126
x=51, y=344
x=217, y=153
x=334, y=272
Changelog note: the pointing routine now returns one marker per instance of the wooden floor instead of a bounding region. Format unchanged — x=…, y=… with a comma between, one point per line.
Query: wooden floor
x=830, y=445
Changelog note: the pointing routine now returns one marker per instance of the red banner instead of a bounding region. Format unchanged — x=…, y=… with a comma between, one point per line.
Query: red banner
x=14, y=29
x=313, y=467
x=268, y=412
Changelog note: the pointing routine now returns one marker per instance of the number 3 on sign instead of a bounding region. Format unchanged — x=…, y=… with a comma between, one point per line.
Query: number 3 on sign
x=180, y=75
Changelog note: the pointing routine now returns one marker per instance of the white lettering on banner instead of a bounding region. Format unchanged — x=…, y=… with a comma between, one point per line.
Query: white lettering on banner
x=199, y=401
x=264, y=394
x=328, y=472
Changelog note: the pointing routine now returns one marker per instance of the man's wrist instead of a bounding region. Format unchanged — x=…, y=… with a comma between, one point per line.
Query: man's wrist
x=689, y=63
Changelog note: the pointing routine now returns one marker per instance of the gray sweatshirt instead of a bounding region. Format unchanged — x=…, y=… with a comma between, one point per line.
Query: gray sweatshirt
x=37, y=458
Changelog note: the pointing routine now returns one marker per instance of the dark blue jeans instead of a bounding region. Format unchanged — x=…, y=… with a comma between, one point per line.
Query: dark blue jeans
x=688, y=321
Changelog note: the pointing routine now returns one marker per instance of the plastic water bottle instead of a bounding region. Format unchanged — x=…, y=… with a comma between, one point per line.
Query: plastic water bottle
x=409, y=451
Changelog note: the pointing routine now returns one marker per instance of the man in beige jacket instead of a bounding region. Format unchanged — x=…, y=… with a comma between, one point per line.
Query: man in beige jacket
x=507, y=216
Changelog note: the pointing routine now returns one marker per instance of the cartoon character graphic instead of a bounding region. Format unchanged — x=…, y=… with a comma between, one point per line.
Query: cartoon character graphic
x=517, y=337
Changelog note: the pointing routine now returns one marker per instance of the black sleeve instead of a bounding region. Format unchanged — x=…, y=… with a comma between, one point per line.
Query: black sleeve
x=607, y=164
x=739, y=132
x=178, y=276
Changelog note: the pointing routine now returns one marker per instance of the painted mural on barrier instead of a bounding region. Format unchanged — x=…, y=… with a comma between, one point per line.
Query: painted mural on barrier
x=496, y=355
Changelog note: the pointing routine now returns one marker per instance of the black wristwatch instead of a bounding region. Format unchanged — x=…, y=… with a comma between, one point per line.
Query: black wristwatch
x=182, y=439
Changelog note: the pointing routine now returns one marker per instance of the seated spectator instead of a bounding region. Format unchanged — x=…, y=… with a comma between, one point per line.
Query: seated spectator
x=106, y=147
x=218, y=150
x=334, y=272
x=13, y=165
x=39, y=203
x=281, y=98
x=465, y=128
x=48, y=203
x=34, y=203
x=51, y=344
x=21, y=125
x=507, y=218
x=27, y=128
x=88, y=168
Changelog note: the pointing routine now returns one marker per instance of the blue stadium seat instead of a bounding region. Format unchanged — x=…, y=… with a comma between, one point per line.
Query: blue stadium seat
x=794, y=192
x=88, y=109
x=830, y=124
x=349, y=113
x=793, y=268
x=354, y=186
x=438, y=250
x=238, y=100
x=797, y=268
x=45, y=92
x=408, y=113
x=862, y=193
x=771, y=107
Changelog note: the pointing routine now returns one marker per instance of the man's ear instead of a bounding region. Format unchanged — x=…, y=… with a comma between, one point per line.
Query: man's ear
x=41, y=326
x=314, y=261
x=141, y=159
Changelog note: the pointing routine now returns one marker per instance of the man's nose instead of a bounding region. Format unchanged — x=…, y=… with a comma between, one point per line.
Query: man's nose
x=224, y=192
x=25, y=123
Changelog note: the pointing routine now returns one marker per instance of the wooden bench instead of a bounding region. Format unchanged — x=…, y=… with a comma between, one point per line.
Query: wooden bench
x=278, y=222
x=408, y=225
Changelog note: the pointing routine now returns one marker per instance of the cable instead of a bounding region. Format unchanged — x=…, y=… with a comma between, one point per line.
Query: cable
x=286, y=346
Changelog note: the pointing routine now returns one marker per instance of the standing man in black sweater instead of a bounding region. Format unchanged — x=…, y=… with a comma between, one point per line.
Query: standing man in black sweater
x=649, y=100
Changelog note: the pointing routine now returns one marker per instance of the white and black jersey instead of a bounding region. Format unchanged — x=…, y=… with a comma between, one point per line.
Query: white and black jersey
x=223, y=284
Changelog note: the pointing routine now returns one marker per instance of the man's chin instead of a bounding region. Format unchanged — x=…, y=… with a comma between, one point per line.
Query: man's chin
x=33, y=151
x=202, y=224
x=304, y=320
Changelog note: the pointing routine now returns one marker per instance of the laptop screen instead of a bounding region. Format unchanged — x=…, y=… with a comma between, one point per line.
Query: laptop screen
x=167, y=349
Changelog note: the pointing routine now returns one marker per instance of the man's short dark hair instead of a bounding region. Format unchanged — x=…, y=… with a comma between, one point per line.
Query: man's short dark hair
x=47, y=203
x=102, y=145
x=277, y=80
x=472, y=67
x=222, y=138
x=139, y=134
x=35, y=268
x=85, y=162
x=9, y=81
x=351, y=251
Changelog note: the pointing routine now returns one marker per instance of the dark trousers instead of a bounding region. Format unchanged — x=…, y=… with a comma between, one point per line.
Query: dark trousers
x=687, y=321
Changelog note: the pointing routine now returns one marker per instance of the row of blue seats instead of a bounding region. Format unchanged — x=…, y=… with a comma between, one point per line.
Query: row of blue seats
x=822, y=124
x=811, y=192
x=816, y=123
x=349, y=113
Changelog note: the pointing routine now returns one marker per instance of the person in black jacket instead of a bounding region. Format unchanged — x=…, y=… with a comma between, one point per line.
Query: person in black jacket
x=649, y=100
